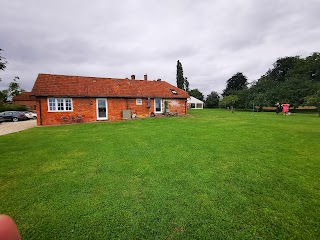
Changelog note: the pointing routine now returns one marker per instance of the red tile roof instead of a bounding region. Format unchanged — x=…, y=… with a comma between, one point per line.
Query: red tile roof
x=24, y=96
x=77, y=86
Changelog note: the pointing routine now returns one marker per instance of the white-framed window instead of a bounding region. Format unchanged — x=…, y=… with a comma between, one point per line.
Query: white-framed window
x=60, y=105
x=138, y=101
x=158, y=105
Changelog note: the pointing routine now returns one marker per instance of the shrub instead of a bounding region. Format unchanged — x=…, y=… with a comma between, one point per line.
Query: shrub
x=11, y=107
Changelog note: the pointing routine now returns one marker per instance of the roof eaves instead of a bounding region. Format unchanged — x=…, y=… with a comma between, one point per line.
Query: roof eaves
x=106, y=96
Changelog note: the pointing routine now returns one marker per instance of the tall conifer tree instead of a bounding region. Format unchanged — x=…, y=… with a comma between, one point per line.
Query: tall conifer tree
x=179, y=76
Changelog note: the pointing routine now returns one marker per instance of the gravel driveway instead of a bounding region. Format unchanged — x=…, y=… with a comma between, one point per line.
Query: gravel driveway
x=11, y=127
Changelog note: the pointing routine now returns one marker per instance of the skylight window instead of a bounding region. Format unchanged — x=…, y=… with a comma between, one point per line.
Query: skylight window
x=173, y=91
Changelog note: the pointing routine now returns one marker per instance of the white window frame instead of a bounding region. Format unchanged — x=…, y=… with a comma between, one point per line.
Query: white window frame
x=138, y=101
x=64, y=101
x=155, y=111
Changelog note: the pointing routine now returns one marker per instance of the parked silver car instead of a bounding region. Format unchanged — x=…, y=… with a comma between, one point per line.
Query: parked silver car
x=31, y=115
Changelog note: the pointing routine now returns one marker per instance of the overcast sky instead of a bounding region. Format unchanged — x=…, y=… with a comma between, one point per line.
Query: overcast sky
x=213, y=39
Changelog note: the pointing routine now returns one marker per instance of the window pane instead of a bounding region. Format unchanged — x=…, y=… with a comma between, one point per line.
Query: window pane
x=60, y=104
x=68, y=105
x=102, y=110
x=139, y=101
x=52, y=104
x=101, y=103
x=158, y=105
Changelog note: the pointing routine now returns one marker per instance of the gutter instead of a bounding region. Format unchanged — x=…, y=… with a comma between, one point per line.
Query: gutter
x=104, y=96
x=40, y=112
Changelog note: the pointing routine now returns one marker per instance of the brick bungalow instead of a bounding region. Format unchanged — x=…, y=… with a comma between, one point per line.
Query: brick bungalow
x=67, y=99
x=25, y=99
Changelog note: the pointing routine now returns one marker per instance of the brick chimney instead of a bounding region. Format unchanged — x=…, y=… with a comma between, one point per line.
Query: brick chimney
x=133, y=77
x=145, y=77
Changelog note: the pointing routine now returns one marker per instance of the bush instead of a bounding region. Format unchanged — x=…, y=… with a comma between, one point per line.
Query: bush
x=11, y=107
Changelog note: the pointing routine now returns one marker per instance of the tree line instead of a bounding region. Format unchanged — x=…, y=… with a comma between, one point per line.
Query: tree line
x=294, y=80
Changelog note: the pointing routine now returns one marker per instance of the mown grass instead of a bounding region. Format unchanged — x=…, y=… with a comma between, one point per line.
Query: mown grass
x=211, y=175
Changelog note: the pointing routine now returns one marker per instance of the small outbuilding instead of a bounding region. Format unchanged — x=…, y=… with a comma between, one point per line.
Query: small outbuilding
x=194, y=103
x=25, y=99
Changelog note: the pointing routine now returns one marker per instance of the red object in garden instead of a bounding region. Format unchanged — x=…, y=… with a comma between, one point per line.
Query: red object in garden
x=285, y=108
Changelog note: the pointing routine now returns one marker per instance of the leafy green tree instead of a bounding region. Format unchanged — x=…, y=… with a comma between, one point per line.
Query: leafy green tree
x=295, y=90
x=266, y=92
x=229, y=101
x=282, y=67
x=290, y=80
x=3, y=93
x=3, y=96
x=196, y=93
x=313, y=67
x=245, y=99
x=14, y=88
x=212, y=100
x=3, y=62
x=314, y=100
x=260, y=99
x=236, y=83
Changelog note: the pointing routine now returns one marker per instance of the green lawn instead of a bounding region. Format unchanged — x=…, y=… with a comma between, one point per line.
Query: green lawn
x=210, y=175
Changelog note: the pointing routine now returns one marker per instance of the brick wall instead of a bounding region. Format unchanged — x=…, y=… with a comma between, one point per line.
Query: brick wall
x=86, y=107
x=29, y=104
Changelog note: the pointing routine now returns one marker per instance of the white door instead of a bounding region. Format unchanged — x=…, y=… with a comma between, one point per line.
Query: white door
x=102, y=109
